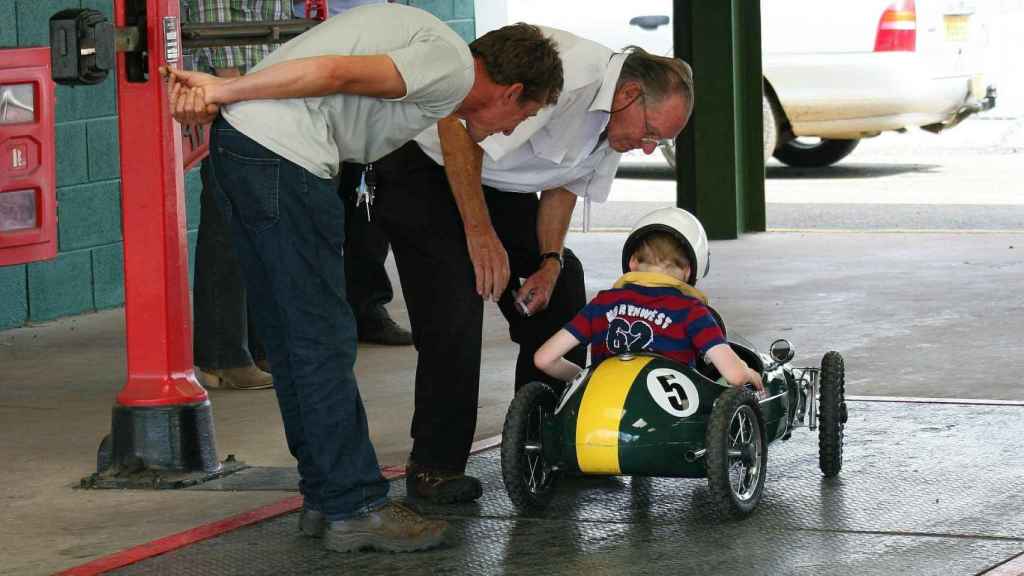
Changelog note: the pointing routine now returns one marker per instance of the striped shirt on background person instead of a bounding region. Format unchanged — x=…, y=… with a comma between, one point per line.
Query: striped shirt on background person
x=638, y=318
x=334, y=7
x=228, y=11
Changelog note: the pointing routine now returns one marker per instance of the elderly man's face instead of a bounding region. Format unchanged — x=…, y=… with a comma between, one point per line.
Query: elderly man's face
x=638, y=123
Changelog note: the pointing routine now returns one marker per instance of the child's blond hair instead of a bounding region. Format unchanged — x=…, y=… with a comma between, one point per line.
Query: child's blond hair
x=661, y=249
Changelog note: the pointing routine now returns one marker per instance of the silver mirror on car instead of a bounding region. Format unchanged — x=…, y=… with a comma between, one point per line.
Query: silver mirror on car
x=649, y=22
x=781, y=351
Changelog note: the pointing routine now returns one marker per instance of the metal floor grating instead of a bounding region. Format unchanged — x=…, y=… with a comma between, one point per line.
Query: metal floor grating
x=925, y=489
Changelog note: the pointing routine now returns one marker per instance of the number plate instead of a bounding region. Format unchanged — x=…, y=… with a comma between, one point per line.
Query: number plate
x=957, y=27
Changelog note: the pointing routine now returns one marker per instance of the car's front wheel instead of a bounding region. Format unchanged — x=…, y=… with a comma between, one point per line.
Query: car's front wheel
x=814, y=152
x=769, y=133
x=831, y=414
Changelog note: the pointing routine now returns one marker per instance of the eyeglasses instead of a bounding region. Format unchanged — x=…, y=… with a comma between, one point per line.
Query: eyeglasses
x=650, y=136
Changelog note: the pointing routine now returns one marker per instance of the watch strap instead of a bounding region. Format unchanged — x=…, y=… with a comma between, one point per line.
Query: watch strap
x=556, y=256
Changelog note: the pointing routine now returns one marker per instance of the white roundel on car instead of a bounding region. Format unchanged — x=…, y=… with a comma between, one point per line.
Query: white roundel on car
x=673, y=391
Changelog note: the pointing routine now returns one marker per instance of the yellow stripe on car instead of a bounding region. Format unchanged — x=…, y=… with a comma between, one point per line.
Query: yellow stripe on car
x=601, y=410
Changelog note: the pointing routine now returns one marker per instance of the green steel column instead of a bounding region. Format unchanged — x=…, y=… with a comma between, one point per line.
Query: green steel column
x=720, y=174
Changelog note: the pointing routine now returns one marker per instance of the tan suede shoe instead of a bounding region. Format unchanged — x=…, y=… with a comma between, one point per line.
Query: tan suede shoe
x=244, y=378
x=393, y=528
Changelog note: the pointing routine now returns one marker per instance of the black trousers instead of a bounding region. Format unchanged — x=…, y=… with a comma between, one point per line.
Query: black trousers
x=418, y=213
x=223, y=336
x=366, y=250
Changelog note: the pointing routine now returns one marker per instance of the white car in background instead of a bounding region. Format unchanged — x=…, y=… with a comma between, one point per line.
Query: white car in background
x=835, y=71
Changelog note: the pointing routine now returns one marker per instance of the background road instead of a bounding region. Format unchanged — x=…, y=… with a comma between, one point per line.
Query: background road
x=968, y=178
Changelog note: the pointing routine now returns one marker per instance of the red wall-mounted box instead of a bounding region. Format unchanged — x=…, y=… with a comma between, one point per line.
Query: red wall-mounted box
x=28, y=180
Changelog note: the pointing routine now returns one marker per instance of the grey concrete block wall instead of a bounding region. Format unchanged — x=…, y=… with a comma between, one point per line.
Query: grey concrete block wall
x=60, y=287
x=13, y=296
x=8, y=28
x=89, y=216
x=88, y=272
x=108, y=276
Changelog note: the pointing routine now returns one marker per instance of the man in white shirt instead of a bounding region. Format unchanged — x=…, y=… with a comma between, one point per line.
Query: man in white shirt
x=610, y=103
x=351, y=89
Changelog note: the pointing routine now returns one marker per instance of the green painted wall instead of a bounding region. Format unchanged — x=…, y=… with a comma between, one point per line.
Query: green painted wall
x=87, y=274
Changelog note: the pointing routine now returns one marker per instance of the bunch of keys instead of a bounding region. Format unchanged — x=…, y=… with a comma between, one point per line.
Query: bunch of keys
x=367, y=185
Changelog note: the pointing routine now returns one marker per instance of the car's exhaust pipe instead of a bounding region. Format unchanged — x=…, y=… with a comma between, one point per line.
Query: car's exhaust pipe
x=974, y=107
x=694, y=455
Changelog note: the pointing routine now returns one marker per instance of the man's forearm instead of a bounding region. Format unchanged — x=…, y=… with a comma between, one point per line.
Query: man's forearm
x=553, y=218
x=317, y=76
x=463, y=164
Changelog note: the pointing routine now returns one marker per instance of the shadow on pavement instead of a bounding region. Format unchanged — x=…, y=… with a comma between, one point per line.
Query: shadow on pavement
x=847, y=171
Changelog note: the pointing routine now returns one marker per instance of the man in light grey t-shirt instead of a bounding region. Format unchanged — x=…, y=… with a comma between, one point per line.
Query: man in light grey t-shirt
x=351, y=89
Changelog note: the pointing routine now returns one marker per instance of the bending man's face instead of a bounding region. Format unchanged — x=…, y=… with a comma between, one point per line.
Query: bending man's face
x=640, y=124
x=501, y=117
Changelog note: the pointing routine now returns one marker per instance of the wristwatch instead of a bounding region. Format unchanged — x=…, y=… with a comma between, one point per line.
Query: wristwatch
x=556, y=256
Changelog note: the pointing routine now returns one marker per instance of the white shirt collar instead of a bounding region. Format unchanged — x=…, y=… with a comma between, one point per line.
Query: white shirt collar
x=603, y=101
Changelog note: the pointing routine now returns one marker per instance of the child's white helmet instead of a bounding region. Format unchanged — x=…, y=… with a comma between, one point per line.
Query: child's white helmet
x=681, y=224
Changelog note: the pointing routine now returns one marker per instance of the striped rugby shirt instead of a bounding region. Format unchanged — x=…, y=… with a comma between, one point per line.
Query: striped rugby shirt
x=644, y=316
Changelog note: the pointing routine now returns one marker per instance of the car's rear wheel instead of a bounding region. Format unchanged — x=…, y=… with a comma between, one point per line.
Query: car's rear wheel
x=803, y=152
x=769, y=131
x=737, y=452
x=529, y=478
x=831, y=414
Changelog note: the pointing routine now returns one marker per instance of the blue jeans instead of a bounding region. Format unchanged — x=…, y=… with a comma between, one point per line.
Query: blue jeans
x=289, y=232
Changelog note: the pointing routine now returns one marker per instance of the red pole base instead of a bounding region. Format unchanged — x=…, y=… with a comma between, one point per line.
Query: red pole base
x=162, y=390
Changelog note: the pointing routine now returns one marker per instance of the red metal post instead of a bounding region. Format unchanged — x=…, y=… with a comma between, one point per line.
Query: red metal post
x=162, y=423
x=157, y=304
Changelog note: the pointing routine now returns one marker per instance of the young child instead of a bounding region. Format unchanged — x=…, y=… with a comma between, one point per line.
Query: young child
x=654, y=307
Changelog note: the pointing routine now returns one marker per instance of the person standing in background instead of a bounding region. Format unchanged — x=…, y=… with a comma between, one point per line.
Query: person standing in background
x=224, y=344
x=366, y=246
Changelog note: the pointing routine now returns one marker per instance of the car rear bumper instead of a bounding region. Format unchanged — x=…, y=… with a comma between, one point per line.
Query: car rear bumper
x=975, y=105
x=861, y=95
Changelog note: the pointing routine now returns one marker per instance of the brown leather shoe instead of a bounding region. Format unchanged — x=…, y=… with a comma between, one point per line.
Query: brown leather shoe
x=441, y=486
x=393, y=528
x=244, y=378
x=383, y=331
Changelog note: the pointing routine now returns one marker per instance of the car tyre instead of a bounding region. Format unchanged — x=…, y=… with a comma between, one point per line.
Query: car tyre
x=831, y=414
x=770, y=130
x=737, y=452
x=529, y=479
x=810, y=154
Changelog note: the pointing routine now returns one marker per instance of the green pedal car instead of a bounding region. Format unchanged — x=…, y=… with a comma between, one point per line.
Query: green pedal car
x=646, y=415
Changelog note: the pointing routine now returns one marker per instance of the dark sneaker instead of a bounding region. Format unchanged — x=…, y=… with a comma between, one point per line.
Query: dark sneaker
x=393, y=528
x=312, y=523
x=384, y=331
x=442, y=487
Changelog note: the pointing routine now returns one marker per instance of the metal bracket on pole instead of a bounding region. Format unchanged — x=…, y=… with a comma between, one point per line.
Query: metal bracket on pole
x=84, y=44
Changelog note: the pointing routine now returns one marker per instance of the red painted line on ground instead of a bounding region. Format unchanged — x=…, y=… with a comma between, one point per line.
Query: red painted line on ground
x=182, y=539
x=214, y=529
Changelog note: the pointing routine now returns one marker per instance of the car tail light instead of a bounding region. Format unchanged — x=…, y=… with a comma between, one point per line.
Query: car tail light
x=897, y=28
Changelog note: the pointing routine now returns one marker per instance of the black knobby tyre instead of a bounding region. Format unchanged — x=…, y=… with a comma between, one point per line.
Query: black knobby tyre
x=802, y=154
x=831, y=414
x=528, y=477
x=737, y=452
